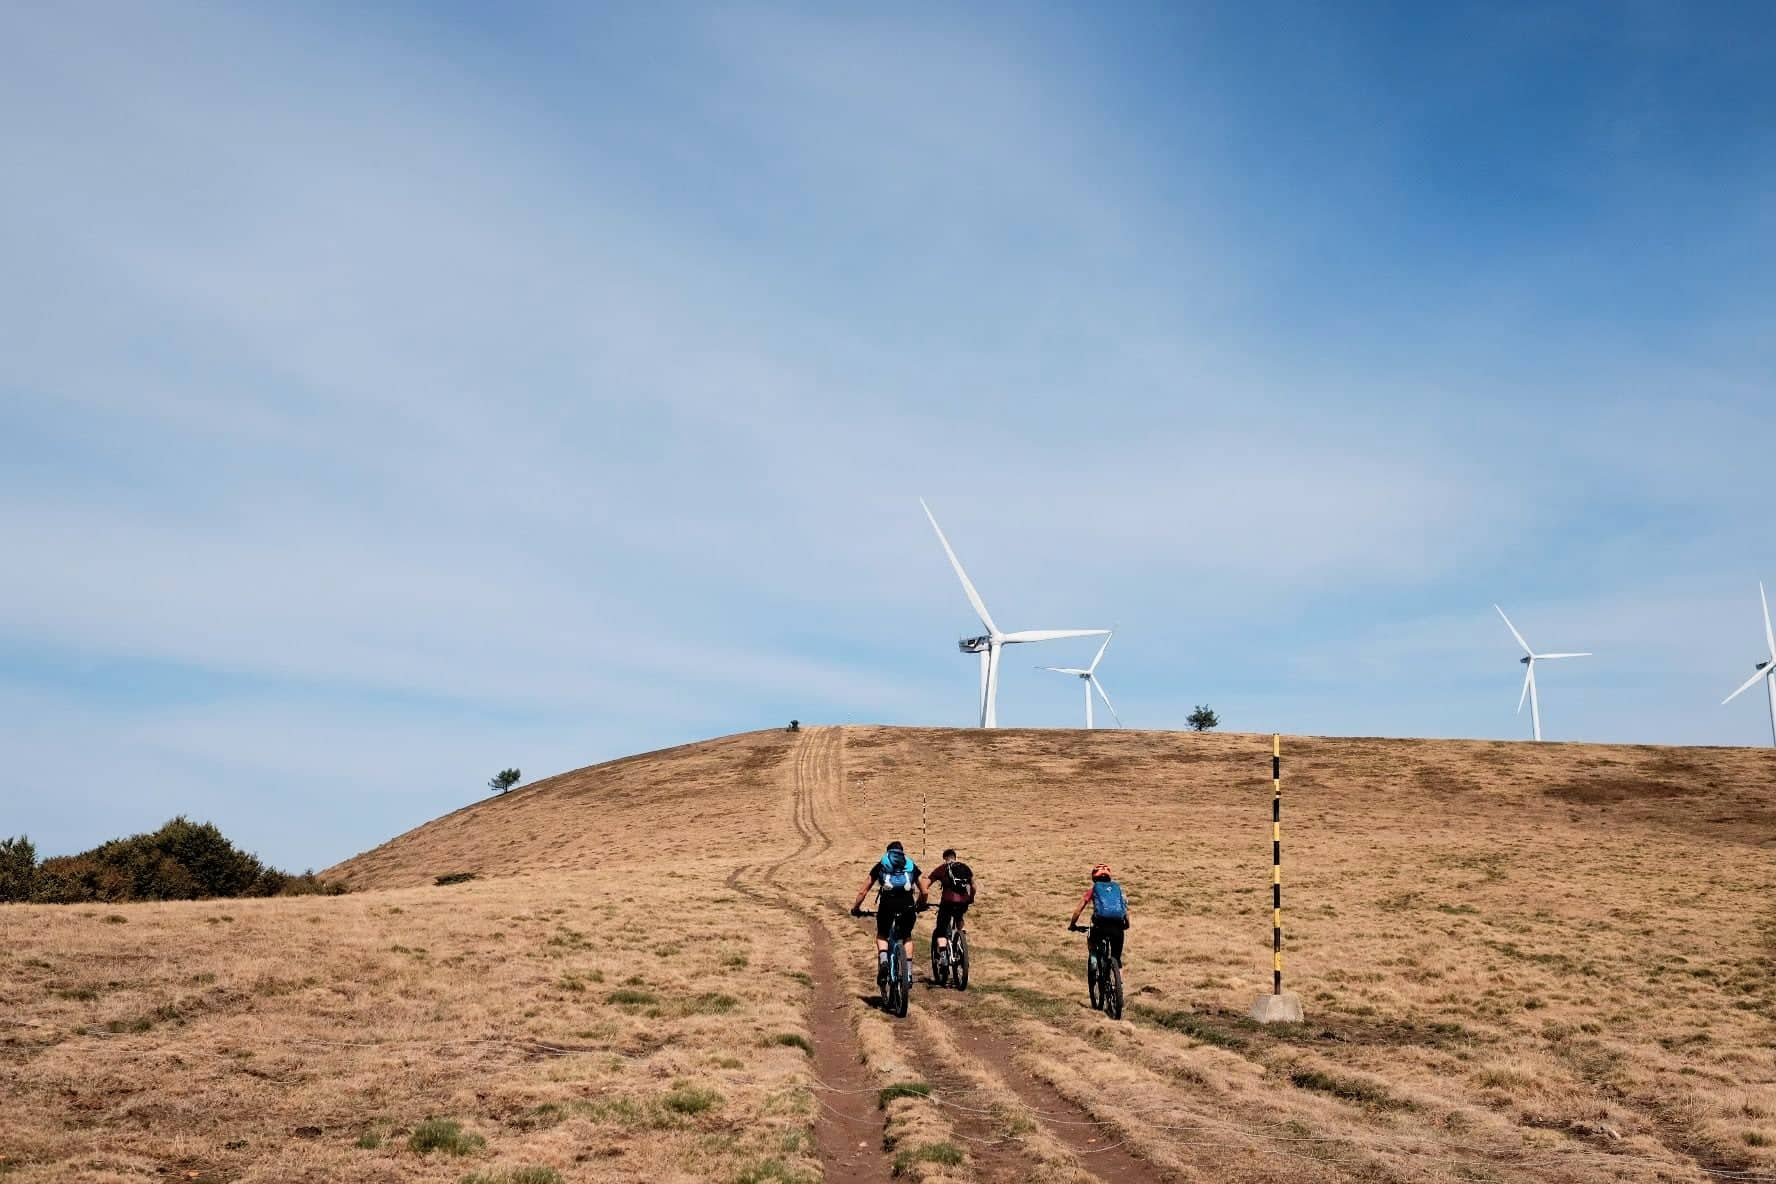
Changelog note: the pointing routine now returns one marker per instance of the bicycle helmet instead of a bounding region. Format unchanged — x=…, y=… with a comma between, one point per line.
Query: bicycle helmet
x=1102, y=872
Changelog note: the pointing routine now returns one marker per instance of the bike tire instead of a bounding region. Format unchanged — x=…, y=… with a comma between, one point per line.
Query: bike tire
x=1113, y=991
x=1094, y=983
x=959, y=960
x=940, y=970
x=904, y=996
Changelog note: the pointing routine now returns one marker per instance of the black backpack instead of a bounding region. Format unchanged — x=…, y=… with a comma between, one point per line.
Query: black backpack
x=961, y=879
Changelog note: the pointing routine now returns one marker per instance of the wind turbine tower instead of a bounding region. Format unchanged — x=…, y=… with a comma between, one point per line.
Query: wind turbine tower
x=1089, y=676
x=989, y=644
x=1529, y=660
x=1766, y=670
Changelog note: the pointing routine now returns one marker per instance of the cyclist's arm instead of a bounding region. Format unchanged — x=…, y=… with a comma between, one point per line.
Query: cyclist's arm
x=1087, y=899
x=868, y=883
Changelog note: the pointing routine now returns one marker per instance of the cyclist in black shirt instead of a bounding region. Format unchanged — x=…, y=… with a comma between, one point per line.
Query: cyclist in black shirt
x=900, y=896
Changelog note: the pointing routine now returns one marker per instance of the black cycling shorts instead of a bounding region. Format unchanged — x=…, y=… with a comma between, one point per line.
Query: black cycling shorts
x=1110, y=933
x=947, y=912
x=895, y=918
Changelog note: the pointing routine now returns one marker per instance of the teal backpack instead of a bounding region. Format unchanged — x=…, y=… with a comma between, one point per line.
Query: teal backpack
x=1107, y=901
x=899, y=874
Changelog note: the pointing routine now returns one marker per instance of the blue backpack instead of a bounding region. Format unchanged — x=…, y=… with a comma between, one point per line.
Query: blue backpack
x=1107, y=901
x=899, y=874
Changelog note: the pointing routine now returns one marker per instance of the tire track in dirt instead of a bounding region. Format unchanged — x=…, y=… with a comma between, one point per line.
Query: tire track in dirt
x=1098, y=1145
x=848, y=1127
x=995, y=1158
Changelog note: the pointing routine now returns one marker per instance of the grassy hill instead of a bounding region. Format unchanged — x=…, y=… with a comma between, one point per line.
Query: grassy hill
x=1520, y=962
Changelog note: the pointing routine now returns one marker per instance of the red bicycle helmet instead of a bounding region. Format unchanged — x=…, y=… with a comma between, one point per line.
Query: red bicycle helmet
x=1102, y=871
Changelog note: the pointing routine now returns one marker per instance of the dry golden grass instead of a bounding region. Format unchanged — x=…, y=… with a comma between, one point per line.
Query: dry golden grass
x=1520, y=963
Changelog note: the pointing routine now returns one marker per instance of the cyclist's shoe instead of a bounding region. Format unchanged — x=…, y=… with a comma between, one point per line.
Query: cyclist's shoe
x=857, y=912
x=881, y=974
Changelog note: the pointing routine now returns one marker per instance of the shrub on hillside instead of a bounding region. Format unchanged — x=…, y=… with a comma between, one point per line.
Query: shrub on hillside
x=183, y=860
x=18, y=869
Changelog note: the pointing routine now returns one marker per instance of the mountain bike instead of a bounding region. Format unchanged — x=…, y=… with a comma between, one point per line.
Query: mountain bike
x=1103, y=975
x=897, y=986
x=949, y=965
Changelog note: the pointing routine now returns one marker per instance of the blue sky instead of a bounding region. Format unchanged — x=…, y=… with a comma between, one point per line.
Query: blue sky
x=390, y=397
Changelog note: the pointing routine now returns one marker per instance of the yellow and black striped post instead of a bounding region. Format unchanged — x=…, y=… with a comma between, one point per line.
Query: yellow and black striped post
x=1278, y=1007
x=1276, y=862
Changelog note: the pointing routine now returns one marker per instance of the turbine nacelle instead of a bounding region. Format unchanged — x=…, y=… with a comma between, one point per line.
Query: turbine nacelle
x=974, y=645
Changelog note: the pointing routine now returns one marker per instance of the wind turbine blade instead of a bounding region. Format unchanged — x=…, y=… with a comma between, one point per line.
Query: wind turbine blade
x=1049, y=634
x=974, y=598
x=1100, y=654
x=1501, y=612
x=1528, y=673
x=1747, y=685
x=1074, y=671
x=1106, y=698
x=1541, y=657
x=1769, y=633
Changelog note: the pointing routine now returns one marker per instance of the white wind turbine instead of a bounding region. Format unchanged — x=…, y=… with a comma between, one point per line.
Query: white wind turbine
x=1529, y=661
x=1766, y=670
x=1090, y=677
x=988, y=646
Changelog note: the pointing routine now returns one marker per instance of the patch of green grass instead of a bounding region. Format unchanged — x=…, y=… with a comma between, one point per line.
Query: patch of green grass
x=687, y=1099
x=539, y=1117
x=1191, y=1024
x=772, y=1171
x=515, y=1176
x=1038, y=1003
x=1757, y=1139
x=800, y=977
x=80, y=994
x=944, y=1153
x=446, y=1135
x=571, y=983
x=709, y=1003
x=453, y=878
x=629, y=997
x=736, y=962
x=368, y=1141
x=902, y=1089
x=132, y=1027
x=116, y=919
x=792, y=1040
x=1348, y=1088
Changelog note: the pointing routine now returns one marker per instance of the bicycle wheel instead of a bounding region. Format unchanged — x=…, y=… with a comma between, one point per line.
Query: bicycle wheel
x=904, y=985
x=1113, y=990
x=1094, y=980
x=959, y=959
x=889, y=978
x=940, y=961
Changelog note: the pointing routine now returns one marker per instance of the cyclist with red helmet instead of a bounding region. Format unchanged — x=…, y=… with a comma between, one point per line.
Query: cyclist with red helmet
x=1110, y=914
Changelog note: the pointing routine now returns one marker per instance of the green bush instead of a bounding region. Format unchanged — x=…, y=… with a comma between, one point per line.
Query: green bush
x=183, y=860
x=18, y=869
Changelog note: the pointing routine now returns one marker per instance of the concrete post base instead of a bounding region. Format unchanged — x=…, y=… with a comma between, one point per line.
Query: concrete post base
x=1278, y=1009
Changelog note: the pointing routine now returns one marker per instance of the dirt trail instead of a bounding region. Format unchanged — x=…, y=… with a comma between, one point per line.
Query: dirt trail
x=821, y=816
x=848, y=1124
x=1101, y=1150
